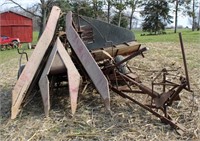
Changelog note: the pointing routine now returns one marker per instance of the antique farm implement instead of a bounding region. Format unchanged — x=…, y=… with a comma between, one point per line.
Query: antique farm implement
x=93, y=51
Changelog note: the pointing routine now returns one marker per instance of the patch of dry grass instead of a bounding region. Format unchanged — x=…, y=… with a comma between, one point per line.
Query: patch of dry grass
x=91, y=121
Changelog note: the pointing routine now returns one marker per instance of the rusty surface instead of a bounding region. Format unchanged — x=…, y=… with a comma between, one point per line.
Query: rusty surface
x=162, y=118
x=184, y=61
x=100, y=58
x=159, y=100
x=88, y=61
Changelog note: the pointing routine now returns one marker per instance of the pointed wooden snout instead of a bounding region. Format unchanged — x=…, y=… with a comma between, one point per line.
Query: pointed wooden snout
x=60, y=62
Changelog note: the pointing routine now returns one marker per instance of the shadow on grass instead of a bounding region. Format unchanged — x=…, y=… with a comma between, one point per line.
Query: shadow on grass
x=34, y=107
x=5, y=103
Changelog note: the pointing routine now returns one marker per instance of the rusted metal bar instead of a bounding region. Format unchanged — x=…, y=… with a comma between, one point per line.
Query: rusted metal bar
x=21, y=53
x=164, y=81
x=184, y=61
x=134, y=54
x=175, y=95
x=141, y=86
x=162, y=118
x=165, y=84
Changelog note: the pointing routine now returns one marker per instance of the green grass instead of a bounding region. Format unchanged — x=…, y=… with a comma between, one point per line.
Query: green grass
x=6, y=55
x=187, y=35
x=35, y=37
x=10, y=54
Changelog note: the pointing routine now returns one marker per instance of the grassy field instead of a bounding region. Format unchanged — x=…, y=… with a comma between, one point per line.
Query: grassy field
x=188, y=36
x=35, y=37
x=128, y=122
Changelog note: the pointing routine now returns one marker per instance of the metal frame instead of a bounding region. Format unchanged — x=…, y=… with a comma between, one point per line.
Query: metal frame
x=104, y=73
x=159, y=101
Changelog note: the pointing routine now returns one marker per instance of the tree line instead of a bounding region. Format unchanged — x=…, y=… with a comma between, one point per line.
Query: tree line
x=156, y=14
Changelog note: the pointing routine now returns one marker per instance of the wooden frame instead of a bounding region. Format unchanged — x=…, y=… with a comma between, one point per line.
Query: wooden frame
x=26, y=78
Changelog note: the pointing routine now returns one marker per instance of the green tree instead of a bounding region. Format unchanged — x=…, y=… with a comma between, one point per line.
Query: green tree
x=90, y=8
x=156, y=16
x=82, y=7
x=97, y=8
x=180, y=5
x=123, y=23
x=120, y=5
x=132, y=5
x=194, y=14
x=109, y=4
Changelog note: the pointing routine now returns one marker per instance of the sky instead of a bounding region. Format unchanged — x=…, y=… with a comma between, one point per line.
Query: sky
x=5, y=4
x=25, y=3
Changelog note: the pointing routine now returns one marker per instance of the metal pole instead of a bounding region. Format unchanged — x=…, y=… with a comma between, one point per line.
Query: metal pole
x=184, y=61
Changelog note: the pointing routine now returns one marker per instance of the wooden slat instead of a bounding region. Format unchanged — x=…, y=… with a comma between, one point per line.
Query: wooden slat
x=44, y=90
x=121, y=49
x=44, y=82
x=74, y=78
x=88, y=62
x=60, y=56
x=32, y=65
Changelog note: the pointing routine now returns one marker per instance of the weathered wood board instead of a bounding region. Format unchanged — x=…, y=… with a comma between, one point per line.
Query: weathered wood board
x=88, y=62
x=121, y=49
x=32, y=65
x=59, y=61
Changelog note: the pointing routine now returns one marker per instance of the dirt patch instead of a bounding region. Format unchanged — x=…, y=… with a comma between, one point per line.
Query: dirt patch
x=91, y=121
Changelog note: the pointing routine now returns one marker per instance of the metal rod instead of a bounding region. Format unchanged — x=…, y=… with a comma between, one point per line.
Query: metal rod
x=162, y=118
x=184, y=60
x=131, y=56
x=23, y=52
x=142, y=87
x=164, y=81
